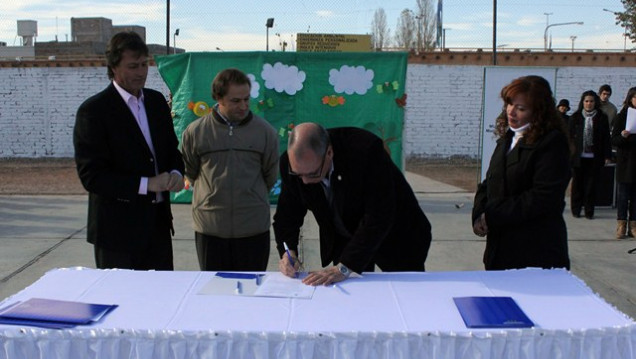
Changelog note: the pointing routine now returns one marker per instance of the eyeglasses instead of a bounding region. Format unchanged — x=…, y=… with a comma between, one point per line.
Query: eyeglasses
x=315, y=174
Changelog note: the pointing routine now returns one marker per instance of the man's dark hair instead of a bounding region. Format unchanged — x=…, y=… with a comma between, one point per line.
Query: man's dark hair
x=605, y=87
x=121, y=42
x=222, y=81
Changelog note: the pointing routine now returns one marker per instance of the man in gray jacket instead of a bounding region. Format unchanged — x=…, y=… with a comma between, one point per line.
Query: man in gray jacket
x=231, y=158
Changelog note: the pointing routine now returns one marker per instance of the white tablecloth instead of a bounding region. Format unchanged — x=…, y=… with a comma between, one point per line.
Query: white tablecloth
x=382, y=315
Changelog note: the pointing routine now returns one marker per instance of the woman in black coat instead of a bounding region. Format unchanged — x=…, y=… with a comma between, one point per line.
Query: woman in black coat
x=520, y=204
x=625, y=142
x=590, y=135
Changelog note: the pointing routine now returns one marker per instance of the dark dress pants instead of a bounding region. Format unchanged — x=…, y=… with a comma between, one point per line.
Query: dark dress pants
x=585, y=178
x=233, y=254
x=156, y=255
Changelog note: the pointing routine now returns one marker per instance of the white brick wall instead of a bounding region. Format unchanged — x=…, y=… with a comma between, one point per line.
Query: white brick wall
x=38, y=106
x=443, y=112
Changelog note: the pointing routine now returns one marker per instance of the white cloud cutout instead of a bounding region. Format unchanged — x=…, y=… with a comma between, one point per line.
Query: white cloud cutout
x=283, y=78
x=255, y=86
x=351, y=79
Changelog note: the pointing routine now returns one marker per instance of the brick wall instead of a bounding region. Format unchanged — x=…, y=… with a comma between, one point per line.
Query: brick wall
x=444, y=104
x=443, y=112
x=38, y=106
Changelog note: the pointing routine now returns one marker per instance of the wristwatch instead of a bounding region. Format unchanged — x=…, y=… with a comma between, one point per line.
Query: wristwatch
x=344, y=270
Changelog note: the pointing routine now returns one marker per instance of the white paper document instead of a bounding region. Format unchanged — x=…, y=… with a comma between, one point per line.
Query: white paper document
x=269, y=285
x=279, y=285
x=630, y=124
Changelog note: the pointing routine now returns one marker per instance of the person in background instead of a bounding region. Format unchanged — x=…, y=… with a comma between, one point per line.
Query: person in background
x=519, y=205
x=127, y=159
x=231, y=158
x=625, y=143
x=610, y=110
x=563, y=107
x=590, y=137
x=366, y=210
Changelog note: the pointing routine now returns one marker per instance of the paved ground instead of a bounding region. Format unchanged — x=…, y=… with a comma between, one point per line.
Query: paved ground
x=39, y=233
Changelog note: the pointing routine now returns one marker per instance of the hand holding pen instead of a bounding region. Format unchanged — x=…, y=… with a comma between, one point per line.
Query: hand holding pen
x=288, y=264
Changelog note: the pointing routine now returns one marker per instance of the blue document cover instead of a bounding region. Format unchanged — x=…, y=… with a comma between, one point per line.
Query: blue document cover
x=50, y=313
x=492, y=312
x=235, y=275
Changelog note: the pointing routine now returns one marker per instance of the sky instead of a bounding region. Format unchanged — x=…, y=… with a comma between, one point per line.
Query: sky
x=239, y=25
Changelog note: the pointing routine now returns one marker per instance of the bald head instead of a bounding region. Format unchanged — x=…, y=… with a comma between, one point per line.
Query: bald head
x=308, y=136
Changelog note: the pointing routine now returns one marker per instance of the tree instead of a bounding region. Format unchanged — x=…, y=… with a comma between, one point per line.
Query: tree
x=405, y=33
x=380, y=33
x=627, y=19
x=426, y=25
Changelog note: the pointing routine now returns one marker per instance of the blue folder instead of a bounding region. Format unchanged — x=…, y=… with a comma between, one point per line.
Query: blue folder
x=235, y=275
x=492, y=312
x=50, y=313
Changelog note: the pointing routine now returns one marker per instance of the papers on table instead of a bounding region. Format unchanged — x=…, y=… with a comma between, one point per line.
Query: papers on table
x=492, y=312
x=630, y=124
x=231, y=283
x=279, y=285
x=258, y=285
x=57, y=314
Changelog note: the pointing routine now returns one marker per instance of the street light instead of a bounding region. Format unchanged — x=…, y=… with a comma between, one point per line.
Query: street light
x=269, y=24
x=174, y=41
x=547, y=18
x=572, y=38
x=545, y=33
x=624, y=30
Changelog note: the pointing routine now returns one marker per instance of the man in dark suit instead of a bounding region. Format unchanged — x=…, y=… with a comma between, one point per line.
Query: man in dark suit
x=127, y=159
x=366, y=211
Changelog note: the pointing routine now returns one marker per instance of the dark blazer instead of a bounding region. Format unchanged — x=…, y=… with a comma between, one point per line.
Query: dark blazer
x=377, y=207
x=601, y=137
x=112, y=155
x=625, y=150
x=523, y=197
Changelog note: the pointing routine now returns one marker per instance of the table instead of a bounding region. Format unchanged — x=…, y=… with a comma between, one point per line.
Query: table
x=382, y=315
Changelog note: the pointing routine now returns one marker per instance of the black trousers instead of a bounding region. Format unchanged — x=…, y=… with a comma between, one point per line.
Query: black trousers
x=157, y=255
x=233, y=254
x=585, y=178
x=626, y=202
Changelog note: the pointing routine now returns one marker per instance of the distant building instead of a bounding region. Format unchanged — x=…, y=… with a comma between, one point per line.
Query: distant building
x=85, y=29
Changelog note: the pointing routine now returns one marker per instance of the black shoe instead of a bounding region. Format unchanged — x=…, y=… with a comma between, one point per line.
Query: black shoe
x=576, y=215
x=589, y=216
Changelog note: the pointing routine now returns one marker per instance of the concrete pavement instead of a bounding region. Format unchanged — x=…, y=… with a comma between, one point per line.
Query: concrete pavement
x=39, y=233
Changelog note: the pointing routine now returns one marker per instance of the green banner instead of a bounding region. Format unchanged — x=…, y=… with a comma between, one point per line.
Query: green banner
x=334, y=89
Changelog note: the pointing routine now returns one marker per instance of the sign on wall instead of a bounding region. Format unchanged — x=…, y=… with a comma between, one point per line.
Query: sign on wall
x=312, y=42
x=349, y=89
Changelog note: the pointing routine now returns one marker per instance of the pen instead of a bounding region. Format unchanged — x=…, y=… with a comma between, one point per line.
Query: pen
x=238, y=287
x=291, y=260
